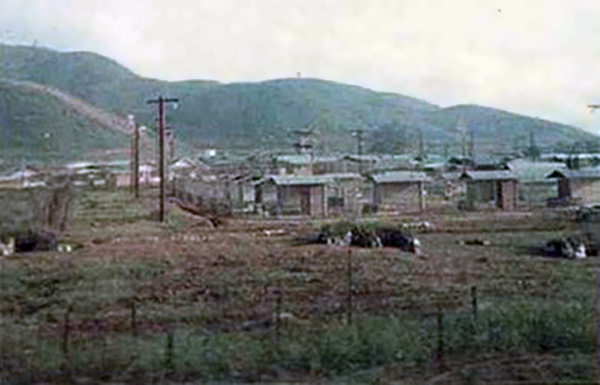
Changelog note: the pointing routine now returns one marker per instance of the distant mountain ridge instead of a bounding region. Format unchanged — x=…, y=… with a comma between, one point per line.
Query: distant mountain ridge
x=263, y=115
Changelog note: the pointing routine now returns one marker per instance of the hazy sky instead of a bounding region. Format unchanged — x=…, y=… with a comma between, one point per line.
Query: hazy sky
x=536, y=57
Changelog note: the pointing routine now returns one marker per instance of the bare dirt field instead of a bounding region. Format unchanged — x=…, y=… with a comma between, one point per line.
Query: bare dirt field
x=142, y=302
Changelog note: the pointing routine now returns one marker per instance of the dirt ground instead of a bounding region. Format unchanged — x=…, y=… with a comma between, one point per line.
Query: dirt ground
x=134, y=276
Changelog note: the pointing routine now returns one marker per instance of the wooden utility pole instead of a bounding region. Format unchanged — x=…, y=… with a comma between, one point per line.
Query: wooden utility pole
x=136, y=162
x=596, y=310
x=131, y=128
x=135, y=156
x=162, y=123
x=358, y=134
x=462, y=129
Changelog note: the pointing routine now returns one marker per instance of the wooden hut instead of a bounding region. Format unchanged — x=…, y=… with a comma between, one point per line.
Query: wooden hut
x=490, y=189
x=399, y=191
x=313, y=195
x=578, y=186
x=534, y=188
x=293, y=194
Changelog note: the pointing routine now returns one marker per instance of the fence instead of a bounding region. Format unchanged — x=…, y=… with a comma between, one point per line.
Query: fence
x=285, y=328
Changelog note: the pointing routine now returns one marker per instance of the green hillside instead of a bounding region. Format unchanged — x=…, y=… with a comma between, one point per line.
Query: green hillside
x=36, y=125
x=262, y=115
x=502, y=129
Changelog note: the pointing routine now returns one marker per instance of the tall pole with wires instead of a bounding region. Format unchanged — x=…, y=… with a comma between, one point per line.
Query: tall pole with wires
x=135, y=156
x=358, y=134
x=596, y=309
x=162, y=123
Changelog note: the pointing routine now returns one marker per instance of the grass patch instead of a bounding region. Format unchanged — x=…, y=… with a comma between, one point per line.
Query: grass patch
x=331, y=349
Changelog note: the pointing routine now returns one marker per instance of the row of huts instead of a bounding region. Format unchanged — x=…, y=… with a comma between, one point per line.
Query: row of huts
x=412, y=191
x=516, y=184
x=329, y=186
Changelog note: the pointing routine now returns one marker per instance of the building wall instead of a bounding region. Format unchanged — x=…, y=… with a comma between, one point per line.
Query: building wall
x=353, y=194
x=590, y=226
x=318, y=201
x=397, y=196
x=564, y=189
x=328, y=167
x=123, y=179
x=490, y=194
x=265, y=198
x=587, y=190
x=481, y=191
x=301, y=200
x=508, y=198
x=536, y=194
x=293, y=200
x=49, y=208
x=355, y=166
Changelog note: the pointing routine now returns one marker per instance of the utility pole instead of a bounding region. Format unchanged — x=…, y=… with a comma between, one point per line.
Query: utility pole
x=596, y=313
x=421, y=143
x=461, y=127
x=534, y=151
x=305, y=145
x=135, y=161
x=358, y=134
x=472, y=144
x=162, y=123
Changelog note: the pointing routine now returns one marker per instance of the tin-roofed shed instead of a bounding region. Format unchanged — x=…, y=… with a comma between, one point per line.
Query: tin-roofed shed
x=490, y=189
x=534, y=188
x=293, y=194
x=306, y=164
x=314, y=195
x=399, y=191
x=581, y=186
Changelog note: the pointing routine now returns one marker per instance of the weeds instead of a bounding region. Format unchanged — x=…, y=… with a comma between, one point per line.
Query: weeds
x=192, y=301
x=335, y=349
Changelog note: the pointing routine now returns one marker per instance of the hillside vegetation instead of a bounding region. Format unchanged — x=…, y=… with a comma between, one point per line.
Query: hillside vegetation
x=264, y=114
x=38, y=123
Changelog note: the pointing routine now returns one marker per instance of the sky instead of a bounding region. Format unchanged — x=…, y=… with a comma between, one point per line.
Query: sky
x=535, y=57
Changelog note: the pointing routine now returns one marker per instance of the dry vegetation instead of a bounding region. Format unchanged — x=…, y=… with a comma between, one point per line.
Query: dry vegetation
x=143, y=302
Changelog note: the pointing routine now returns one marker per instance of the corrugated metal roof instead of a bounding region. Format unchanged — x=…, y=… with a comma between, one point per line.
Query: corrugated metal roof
x=451, y=175
x=300, y=180
x=528, y=171
x=308, y=180
x=399, y=176
x=589, y=173
x=343, y=175
x=305, y=159
x=488, y=175
x=564, y=157
x=363, y=158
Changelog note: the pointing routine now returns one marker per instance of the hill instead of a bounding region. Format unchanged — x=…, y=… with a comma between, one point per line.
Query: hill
x=504, y=131
x=264, y=114
x=41, y=123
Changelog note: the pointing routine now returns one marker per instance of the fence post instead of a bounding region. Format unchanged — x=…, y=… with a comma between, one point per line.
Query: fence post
x=66, y=332
x=277, y=314
x=133, y=318
x=474, y=301
x=440, y=336
x=350, y=304
x=67, y=364
x=169, y=362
